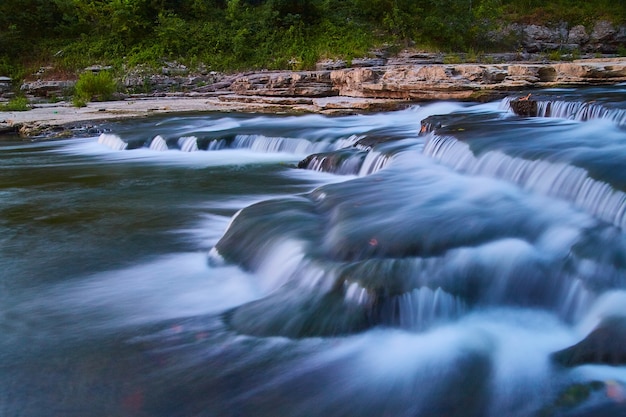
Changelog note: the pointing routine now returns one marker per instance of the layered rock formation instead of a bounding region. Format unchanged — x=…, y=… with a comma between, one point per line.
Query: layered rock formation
x=429, y=81
x=372, y=88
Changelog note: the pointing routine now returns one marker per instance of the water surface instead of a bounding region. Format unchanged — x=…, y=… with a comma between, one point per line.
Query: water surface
x=194, y=266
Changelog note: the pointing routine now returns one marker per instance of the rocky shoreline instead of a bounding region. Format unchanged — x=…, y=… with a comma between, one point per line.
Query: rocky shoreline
x=330, y=91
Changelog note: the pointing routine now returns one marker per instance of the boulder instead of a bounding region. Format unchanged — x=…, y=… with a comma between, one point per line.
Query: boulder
x=539, y=38
x=578, y=35
x=606, y=344
x=603, y=38
x=524, y=107
x=603, y=31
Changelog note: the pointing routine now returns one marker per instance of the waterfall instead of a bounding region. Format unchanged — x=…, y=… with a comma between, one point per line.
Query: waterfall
x=348, y=142
x=261, y=143
x=335, y=162
x=422, y=307
x=347, y=162
x=374, y=162
x=552, y=179
x=415, y=310
x=575, y=110
x=216, y=145
x=188, y=143
x=580, y=111
x=158, y=144
x=112, y=141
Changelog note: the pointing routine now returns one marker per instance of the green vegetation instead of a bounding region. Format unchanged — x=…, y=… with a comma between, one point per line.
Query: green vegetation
x=94, y=87
x=16, y=104
x=228, y=35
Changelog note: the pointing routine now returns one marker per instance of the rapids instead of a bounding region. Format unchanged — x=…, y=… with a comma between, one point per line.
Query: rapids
x=309, y=265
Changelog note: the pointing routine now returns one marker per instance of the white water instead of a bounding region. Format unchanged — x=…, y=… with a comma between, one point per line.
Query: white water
x=557, y=180
x=112, y=141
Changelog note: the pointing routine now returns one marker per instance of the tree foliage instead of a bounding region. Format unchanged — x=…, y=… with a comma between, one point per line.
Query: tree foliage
x=238, y=34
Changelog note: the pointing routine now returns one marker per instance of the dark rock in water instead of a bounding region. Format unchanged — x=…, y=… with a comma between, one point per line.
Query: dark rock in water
x=466, y=395
x=524, y=107
x=368, y=142
x=257, y=228
x=295, y=315
x=344, y=161
x=606, y=344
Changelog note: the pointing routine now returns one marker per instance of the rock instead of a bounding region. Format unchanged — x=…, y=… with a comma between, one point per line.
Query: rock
x=277, y=101
x=7, y=126
x=98, y=68
x=606, y=344
x=48, y=88
x=524, y=107
x=5, y=84
x=174, y=68
x=368, y=62
x=292, y=314
x=331, y=64
x=304, y=83
x=603, y=38
x=540, y=38
x=578, y=35
x=342, y=162
x=347, y=104
x=603, y=31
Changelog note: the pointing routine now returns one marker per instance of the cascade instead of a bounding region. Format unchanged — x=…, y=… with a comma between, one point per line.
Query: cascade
x=569, y=109
x=580, y=111
x=262, y=143
x=552, y=179
x=188, y=143
x=112, y=141
x=158, y=144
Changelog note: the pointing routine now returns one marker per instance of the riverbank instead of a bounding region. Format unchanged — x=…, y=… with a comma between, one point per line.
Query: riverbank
x=346, y=90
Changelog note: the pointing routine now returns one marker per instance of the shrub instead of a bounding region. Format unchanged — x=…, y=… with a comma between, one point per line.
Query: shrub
x=16, y=104
x=94, y=87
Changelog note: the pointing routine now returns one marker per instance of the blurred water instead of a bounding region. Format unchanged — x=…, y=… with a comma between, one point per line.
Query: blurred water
x=185, y=266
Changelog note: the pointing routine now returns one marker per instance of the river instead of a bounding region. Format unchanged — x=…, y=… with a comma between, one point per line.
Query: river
x=231, y=264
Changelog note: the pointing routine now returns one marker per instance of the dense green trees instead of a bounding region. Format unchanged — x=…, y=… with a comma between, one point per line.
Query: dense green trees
x=236, y=34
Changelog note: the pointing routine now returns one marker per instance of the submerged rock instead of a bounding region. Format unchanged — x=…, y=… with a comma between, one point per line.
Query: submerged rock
x=606, y=344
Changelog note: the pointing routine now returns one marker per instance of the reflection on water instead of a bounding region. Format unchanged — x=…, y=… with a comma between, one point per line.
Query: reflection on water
x=244, y=265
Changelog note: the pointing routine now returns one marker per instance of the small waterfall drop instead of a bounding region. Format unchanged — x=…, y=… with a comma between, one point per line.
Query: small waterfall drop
x=158, y=144
x=338, y=162
x=559, y=180
x=580, y=111
x=374, y=162
x=268, y=144
x=112, y=141
x=423, y=307
x=572, y=110
x=188, y=143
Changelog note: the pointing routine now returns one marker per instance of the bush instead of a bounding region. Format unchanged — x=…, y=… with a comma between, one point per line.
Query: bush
x=94, y=87
x=16, y=104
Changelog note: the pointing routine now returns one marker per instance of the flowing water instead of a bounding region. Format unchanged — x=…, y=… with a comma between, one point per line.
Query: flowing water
x=246, y=265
